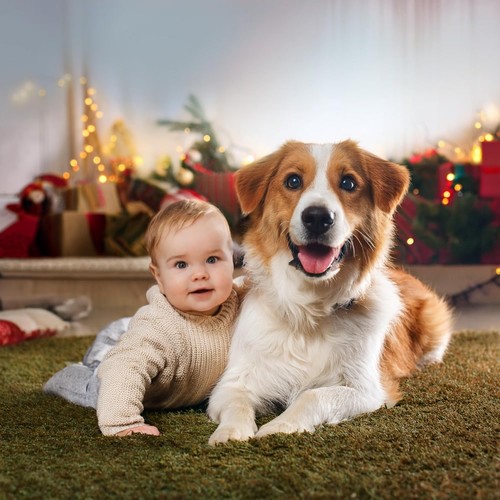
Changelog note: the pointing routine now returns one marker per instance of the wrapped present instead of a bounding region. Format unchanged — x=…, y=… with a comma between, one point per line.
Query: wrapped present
x=148, y=192
x=219, y=189
x=489, y=181
x=93, y=197
x=72, y=234
x=489, y=170
x=410, y=249
x=490, y=152
x=125, y=234
x=19, y=239
x=181, y=194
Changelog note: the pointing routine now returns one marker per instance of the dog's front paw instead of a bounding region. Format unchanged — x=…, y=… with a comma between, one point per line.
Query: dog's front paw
x=280, y=426
x=225, y=433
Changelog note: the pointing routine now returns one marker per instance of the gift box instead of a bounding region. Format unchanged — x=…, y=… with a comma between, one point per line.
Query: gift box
x=19, y=239
x=219, y=189
x=490, y=152
x=410, y=249
x=489, y=181
x=93, y=197
x=72, y=234
x=147, y=192
x=125, y=234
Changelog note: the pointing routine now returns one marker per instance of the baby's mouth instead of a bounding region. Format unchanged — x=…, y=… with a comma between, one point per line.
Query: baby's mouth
x=201, y=291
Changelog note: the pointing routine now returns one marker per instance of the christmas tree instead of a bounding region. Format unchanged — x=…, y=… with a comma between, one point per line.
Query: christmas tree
x=213, y=155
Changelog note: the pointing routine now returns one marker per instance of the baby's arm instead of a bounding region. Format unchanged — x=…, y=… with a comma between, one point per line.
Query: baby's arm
x=125, y=375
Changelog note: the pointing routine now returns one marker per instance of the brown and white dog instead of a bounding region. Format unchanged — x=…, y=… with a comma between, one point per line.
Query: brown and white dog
x=328, y=328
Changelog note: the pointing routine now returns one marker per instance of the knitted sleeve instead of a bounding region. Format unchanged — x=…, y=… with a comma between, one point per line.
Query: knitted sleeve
x=128, y=369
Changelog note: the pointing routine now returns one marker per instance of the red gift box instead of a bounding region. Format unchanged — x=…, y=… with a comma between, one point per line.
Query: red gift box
x=489, y=171
x=491, y=153
x=72, y=234
x=489, y=181
x=19, y=239
x=219, y=189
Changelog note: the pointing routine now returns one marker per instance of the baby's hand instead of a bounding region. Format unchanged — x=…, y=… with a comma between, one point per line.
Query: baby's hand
x=140, y=429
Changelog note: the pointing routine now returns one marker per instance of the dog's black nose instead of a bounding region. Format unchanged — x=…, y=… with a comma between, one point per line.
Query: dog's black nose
x=317, y=220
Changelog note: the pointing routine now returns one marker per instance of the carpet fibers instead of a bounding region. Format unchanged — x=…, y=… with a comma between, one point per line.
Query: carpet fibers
x=440, y=441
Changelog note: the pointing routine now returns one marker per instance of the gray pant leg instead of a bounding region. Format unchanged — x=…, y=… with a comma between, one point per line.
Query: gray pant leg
x=78, y=383
x=104, y=341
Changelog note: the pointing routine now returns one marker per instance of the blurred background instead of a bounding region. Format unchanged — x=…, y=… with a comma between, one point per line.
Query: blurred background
x=397, y=76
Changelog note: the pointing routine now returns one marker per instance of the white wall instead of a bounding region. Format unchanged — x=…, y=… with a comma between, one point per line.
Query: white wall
x=396, y=75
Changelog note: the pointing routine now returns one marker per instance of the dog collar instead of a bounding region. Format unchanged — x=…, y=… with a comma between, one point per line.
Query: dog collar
x=346, y=305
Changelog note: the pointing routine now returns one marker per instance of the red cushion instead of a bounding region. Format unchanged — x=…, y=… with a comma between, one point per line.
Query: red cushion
x=10, y=333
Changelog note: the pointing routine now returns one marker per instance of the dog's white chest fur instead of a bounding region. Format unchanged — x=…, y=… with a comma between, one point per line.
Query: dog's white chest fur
x=303, y=341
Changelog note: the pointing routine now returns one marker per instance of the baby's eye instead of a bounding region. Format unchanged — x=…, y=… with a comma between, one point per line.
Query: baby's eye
x=212, y=259
x=181, y=264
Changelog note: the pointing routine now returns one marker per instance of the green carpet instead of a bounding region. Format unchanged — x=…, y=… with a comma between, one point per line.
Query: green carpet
x=440, y=441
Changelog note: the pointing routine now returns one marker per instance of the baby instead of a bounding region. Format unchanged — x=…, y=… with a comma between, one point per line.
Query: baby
x=175, y=348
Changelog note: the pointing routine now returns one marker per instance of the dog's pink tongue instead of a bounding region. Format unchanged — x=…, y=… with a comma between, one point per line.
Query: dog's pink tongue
x=316, y=259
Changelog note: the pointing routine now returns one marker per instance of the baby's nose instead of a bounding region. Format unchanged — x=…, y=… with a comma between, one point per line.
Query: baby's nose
x=200, y=273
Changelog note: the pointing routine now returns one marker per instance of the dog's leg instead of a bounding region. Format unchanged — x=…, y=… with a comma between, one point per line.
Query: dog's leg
x=318, y=406
x=232, y=409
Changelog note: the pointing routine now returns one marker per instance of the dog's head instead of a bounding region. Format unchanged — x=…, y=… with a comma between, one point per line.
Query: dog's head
x=324, y=203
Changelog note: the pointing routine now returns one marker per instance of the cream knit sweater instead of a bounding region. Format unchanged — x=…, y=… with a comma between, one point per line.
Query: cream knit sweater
x=165, y=360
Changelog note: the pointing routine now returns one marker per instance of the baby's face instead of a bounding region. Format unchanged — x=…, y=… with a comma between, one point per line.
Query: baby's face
x=194, y=266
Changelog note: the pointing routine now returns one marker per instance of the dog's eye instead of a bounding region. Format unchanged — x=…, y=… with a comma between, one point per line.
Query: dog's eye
x=347, y=183
x=293, y=181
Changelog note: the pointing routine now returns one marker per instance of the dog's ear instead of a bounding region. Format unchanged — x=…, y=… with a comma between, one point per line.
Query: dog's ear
x=253, y=180
x=389, y=181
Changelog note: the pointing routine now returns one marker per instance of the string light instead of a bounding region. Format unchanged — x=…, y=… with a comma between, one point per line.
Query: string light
x=450, y=177
x=497, y=271
x=102, y=179
x=410, y=241
x=248, y=159
x=206, y=138
x=476, y=154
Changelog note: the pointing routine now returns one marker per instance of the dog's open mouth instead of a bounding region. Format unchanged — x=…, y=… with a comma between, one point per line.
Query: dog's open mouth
x=315, y=259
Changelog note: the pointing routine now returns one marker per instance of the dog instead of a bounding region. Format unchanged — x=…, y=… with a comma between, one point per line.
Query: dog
x=328, y=327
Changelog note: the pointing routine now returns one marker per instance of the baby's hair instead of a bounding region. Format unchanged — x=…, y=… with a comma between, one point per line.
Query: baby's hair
x=175, y=216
